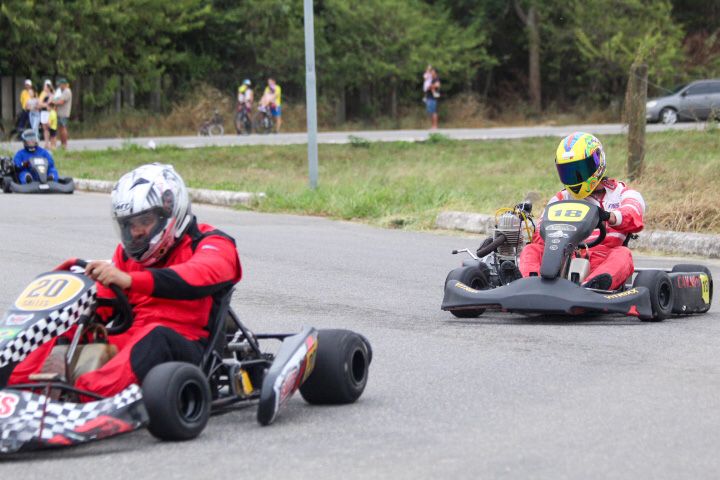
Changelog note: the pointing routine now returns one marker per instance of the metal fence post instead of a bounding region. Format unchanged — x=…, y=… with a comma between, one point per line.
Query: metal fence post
x=311, y=94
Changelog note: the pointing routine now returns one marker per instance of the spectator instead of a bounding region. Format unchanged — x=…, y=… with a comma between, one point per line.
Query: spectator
x=52, y=126
x=431, y=98
x=46, y=97
x=272, y=96
x=64, y=107
x=32, y=105
x=427, y=80
x=24, y=118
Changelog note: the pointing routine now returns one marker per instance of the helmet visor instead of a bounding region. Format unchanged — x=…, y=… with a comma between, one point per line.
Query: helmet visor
x=138, y=231
x=578, y=171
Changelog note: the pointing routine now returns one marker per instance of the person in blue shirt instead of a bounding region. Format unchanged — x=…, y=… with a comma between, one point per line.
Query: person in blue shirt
x=23, y=159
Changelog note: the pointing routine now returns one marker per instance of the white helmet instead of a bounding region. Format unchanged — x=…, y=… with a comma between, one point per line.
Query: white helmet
x=151, y=209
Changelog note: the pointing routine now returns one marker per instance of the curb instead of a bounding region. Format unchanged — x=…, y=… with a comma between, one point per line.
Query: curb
x=222, y=198
x=677, y=243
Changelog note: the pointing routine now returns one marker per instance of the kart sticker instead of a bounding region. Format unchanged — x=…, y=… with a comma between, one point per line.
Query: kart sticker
x=568, y=212
x=558, y=234
x=626, y=293
x=49, y=291
x=562, y=226
x=17, y=319
x=8, y=402
x=553, y=247
x=462, y=286
x=8, y=333
x=705, y=287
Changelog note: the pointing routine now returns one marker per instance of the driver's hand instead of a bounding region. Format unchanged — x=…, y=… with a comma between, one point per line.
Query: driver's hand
x=108, y=274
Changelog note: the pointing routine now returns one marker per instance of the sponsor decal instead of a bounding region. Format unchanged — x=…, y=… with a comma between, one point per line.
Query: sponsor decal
x=8, y=333
x=558, y=234
x=18, y=319
x=568, y=212
x=8, y=403
x=289, y=384
x=462, y=286
x=310, y=356
x=562, y=226
x=555, y=240
x=553, y=247
x=705, y=287
x=688, y=281
x=612, y=206
x=49, y=291
x=626, y=293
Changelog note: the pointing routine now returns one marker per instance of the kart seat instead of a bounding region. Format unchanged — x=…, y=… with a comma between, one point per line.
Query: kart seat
x=216, y=326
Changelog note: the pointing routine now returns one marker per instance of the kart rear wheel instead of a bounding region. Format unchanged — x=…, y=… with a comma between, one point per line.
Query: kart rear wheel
x=7, y=181
x=342, y=364
x=688, y=267
x=177, y=398
x=661, y=293
x=474, y=277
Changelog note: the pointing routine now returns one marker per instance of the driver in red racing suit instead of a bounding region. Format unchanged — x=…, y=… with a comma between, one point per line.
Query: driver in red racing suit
x=580, y=160
x=169, y=266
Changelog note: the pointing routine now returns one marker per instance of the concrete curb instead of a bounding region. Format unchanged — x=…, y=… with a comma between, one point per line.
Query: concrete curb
x=676, y=243
x=200, y=195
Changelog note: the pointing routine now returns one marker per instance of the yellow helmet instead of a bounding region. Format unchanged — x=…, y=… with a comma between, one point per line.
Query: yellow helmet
x=580, y=162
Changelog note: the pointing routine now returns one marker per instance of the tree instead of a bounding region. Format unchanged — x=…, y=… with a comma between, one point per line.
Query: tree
x=531, y=20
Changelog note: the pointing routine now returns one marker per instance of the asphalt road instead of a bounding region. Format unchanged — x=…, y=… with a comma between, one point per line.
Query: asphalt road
x=371, y=135
x=498, y=397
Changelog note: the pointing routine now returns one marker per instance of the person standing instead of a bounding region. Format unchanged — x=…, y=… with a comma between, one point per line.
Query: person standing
x=64, y=107
x=24, y=118
x=32, y=105
x=45, y=98
x=432, y=94
x=273, y=97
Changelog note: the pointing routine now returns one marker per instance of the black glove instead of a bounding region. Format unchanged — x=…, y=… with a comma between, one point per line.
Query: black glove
x=604, y=215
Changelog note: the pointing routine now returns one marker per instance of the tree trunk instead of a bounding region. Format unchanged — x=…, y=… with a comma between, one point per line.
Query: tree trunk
x=393, y=99
x=635, y=99
x=156, y=95
x=531, y=19
x=340, y=107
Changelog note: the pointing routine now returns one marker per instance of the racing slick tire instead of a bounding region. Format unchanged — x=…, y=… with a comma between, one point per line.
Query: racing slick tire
x=177, y=398
x=688, y=267
x=474, y=277
x=342, y=364
x=6, y=184
x=661, y=293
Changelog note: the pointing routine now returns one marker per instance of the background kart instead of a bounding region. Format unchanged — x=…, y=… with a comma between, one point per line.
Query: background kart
x=9, y=181
x=651, y=294
x=176, y=399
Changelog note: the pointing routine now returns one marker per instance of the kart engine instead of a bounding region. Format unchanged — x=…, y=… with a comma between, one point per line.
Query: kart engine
x=513, y=225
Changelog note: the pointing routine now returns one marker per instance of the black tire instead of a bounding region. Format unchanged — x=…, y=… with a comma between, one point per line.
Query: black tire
x=341, y=368
x=177, y=398
x=474, y=277
x=689, y=267
x=7, y=181
x=216, y=130
x=243, y=125
x=661, y=293
x=262, y=123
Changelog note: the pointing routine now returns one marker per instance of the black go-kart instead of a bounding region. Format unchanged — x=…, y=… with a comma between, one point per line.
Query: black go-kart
x=9, y=182
x=176, y=398
x=650, y=294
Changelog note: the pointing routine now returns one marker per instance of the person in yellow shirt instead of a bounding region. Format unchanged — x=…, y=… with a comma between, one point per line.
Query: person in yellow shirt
x=52, y=127
x=25, y=95
x=272, y=96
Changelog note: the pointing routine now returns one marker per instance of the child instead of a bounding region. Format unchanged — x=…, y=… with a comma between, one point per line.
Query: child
x=52, y=126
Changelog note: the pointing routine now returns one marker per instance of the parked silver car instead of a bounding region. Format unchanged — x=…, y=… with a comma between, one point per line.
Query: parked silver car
x=695, y=101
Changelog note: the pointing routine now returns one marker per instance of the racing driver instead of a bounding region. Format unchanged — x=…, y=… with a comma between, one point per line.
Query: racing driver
x=25, y=155
x=580, y=162
x=169, y=266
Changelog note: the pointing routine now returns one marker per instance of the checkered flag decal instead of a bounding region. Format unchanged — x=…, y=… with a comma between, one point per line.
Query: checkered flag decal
x=55, y=324
x=37, y=419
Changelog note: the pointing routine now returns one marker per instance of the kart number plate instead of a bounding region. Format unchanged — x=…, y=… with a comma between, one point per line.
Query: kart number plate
x=705, y=287
x=43, y=186
x=49, y=291
x=568, y=212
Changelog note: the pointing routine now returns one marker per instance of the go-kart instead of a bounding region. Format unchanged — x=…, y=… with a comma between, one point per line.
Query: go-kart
x=650, y=294
x=9, y=181
x=175, y=399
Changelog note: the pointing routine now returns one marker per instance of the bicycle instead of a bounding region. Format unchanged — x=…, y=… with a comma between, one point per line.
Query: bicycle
x=243, y=124
x=213, y=126
x=264, y=122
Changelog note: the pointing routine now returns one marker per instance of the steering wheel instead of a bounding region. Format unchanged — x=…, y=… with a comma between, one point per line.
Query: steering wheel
x=122, y=318
x=604, y=217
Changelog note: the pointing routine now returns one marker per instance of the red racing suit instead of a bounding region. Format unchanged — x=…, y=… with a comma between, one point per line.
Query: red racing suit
x=610, y=256
x=171, y=305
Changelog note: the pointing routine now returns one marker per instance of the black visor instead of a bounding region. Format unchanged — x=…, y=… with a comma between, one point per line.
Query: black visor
x=578, y=171
x=137, y=231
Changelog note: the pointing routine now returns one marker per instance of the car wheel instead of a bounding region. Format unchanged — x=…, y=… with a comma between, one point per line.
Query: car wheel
x=661, y=293
x=475, y=277
x=668, y=116
x=342, y=364
x=177, y=398
x=686, y=267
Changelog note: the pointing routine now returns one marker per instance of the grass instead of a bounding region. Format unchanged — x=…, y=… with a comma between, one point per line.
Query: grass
x=405, y=185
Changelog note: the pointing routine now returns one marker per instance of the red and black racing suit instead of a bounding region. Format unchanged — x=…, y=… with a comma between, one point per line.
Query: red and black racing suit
x=610, y=256
x=171, y=303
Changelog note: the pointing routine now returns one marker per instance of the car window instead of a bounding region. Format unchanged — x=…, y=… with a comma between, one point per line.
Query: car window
x=696, y=89
x=705, y=88
x=714, y=87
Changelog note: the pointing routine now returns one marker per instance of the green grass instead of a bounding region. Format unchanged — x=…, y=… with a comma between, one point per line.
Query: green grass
x=407, y=184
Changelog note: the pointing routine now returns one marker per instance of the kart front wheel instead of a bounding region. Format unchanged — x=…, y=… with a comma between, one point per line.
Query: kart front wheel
x=177, y=398
x=475, y=277
x=685, y=267
x=661, y=293
x=342, y=364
